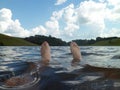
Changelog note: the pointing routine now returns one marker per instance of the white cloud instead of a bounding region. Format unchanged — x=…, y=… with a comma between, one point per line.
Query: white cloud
x=9, y=26
x=5, y=14
x=102, y=1
x=69, y=14
x=57, y=15
x=89, y=14
x=114, y=14
x=53, y=24
x=40, y=30
x=114, y=10
x=14, y=28
x=53, y=27
x=70, y=19
x=69, y=29
x=87, y=20
x=113, y=2
x=92, y=12
x=59, y=2
x=112, y=33
x=5, y=19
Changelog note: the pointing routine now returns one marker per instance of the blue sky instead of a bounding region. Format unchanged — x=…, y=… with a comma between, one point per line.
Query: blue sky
x=65, y=19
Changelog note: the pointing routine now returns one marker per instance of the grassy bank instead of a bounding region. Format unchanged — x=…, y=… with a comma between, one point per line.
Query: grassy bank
x=13, y=41
x=112, y=42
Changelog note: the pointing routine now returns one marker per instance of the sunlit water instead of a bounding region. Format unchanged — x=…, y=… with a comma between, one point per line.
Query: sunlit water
x=13, y=59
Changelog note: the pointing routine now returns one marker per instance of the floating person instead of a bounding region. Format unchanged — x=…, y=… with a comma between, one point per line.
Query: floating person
x=45, y=59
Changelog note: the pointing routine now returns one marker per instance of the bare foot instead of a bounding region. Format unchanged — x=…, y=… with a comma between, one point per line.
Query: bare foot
x=75, y=50
x=45, y=52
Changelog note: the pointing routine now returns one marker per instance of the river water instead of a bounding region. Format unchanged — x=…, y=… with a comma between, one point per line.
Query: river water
x=62, y=74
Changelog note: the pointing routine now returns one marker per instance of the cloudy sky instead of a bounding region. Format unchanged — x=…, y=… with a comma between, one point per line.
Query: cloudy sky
x=65, y=19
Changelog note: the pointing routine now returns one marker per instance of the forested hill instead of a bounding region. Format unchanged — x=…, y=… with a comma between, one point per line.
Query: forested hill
x=53, y=41
x=39, y=39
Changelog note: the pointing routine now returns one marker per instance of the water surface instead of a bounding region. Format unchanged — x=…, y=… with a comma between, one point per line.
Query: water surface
x=12, y=59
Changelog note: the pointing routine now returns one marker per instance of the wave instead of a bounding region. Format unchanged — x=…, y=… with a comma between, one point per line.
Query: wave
x=87, y=54
x=2, y=55
x=116, y=57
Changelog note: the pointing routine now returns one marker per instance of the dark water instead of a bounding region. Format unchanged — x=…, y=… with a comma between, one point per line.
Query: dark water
x=61, y=73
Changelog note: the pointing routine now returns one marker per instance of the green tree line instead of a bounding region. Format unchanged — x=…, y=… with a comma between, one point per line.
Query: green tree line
x=53, y=41
x=39, y=39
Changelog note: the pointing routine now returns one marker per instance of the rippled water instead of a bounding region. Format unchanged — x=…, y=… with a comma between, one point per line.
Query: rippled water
x=14, y=58
x=102, y=56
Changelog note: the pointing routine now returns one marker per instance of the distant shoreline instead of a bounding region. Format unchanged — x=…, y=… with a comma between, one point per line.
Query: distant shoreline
x=37, y=40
